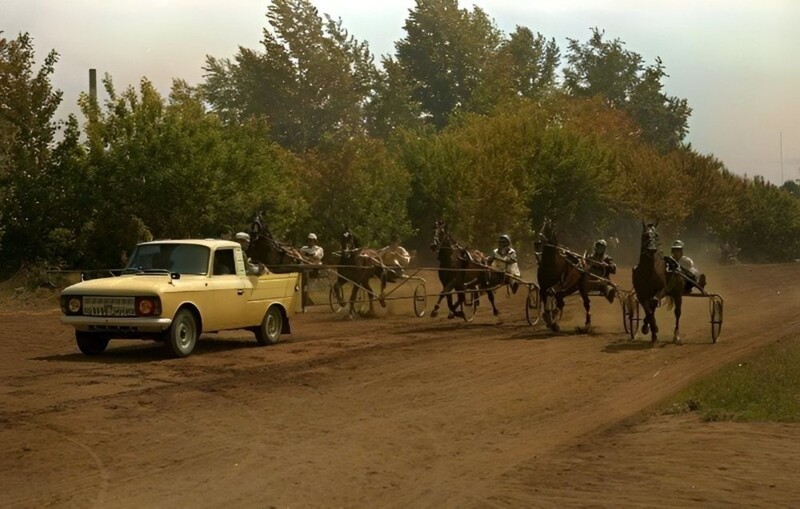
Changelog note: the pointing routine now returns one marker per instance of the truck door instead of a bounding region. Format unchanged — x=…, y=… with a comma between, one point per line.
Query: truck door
x=230, y=291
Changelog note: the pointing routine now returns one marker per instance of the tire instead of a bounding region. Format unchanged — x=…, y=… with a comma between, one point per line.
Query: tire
x=336, y=296
x=420, y=300
x=90, y=344
x=181, y=337
x=716, y=317
x=470, y=306
x=630, y=315
x=269, y=332
x=533, y=308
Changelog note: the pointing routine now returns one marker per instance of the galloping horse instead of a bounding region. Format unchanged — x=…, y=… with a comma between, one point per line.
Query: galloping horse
x=276, y=255
x=356, y=266
x=652, y=281
x=461, y=269
x=559, y=275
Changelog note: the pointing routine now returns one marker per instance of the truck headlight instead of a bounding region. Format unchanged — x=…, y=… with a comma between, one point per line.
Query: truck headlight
x=74, y=305
x=148, y=306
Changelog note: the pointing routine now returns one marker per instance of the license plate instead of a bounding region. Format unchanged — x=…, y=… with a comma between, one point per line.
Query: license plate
x=109, y=306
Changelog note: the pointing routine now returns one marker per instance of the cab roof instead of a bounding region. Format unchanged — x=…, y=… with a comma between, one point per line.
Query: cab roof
x=210, y=243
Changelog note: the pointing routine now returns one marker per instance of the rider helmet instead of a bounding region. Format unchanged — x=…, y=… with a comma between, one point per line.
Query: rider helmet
x=243, y=236
x=600, y=246
x=678, y=244
x=312, y=236
x=504, y=239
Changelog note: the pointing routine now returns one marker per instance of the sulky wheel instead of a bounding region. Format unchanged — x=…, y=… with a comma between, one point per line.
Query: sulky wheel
x=336, y=296
x=630, y=315
x=420, y=299
x=469, y=306
x=715, y=309
x=533, y=308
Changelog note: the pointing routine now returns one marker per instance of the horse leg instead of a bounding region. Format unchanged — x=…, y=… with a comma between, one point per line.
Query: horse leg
x=381, y=298
x=438, y=303
x=446, y=293
x=490, y=294
x=676, y=338
x=339, y=291
x=654, y=326
x=458, y=307
x=587, y=305
x=560, y=306
x=647, y=312
x=353, y=297
x=371, y=297
x=548, y=320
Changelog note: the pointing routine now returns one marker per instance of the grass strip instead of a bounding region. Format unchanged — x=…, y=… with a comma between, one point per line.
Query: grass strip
x=762, y=388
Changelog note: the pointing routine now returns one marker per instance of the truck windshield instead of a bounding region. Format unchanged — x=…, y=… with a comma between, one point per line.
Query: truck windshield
x=180, y=258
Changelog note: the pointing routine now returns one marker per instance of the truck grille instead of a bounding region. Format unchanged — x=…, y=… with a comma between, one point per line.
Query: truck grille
x=109, y=306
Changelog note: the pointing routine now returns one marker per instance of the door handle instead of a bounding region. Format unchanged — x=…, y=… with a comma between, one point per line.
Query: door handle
x=239, y=292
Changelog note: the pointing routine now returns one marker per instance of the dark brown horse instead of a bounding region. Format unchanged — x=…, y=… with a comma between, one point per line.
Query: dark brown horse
x=357, y=265
x=276, y=255
x=461, y=270
x=652, y=282
x=559, y=274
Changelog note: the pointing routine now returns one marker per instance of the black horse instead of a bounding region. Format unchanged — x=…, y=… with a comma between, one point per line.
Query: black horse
x=560, y=274
x=279, y=257
x=357, y=266
x=652, y=282
x=461, y=270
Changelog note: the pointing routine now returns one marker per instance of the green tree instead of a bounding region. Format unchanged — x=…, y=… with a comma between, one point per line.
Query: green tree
x=177, y=171
x=792, y=187
x=358, y=184
x=770, y=226
x=28, y=209
x=605, y=68
x=393, y=107
x=524, y=66
x=444, y=55
x=311, y=82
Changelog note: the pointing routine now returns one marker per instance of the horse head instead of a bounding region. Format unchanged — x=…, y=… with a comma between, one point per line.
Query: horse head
x=547, y=234
x=349, y=240
x=440, y=235
x=650, y=239
x=258, y=228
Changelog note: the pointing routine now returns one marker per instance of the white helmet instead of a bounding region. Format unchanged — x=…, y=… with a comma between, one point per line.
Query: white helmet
x=312, y=236
x=243, y=236
x=678, y=244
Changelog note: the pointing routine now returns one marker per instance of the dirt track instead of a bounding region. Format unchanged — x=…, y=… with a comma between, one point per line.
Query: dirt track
x=396, y=411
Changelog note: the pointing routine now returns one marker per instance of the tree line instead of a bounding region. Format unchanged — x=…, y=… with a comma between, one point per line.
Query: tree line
x=488, y=130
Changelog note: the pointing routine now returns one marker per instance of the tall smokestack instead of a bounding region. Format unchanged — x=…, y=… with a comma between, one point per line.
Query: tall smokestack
x=93, y=85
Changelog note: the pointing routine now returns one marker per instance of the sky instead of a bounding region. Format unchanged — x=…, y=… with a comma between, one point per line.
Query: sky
x=735, y=61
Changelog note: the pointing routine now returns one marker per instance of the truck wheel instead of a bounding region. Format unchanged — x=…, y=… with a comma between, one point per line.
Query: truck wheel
x=90, y=344
x=182, y=335
x=271, y=327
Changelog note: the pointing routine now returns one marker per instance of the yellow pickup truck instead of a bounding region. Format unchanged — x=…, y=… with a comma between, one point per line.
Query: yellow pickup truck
x=174, y=290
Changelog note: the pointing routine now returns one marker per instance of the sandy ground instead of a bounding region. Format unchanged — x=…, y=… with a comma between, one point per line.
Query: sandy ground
x=397, y=411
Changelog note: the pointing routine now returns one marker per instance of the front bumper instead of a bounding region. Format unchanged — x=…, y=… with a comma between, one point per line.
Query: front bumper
x=114, y=324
